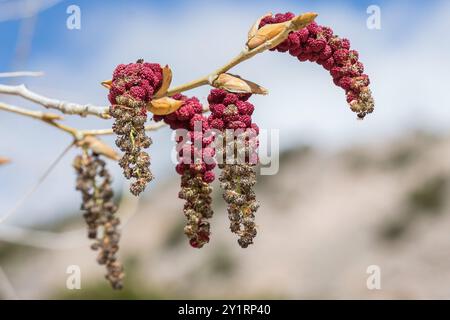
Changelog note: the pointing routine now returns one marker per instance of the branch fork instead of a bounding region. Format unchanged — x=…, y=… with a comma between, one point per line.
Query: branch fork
x=259, y=40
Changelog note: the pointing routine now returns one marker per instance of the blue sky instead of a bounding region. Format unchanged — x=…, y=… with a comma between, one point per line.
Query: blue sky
x=407, y=61
x=51, y=36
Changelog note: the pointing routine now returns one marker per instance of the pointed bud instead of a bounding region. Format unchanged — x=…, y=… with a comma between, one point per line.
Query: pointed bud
x=107, y=84
x=236, y=84
x=167, y=80
x=51, y=117
x=4, y=160
x=266, y=33
x=303, y=20
x=98, y=146
x=271, y=31
x=163, y=106
x=254, y=29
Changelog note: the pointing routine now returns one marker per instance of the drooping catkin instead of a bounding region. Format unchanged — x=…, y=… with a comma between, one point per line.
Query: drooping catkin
x=237, y=181
x=197, y=208
x=196, y=164
x=94, y=183
x=319, y=44
x=132, y=88
x=233, y=112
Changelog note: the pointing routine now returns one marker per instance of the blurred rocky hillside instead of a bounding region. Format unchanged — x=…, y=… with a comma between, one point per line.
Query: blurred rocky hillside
x=324, y=218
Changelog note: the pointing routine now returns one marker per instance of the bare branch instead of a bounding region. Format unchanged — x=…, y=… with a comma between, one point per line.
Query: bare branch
x=63, y=106
x=150, y=127
x=36, y=186
x=48, y=118
x=17, y=74
x=29, y=113
x=98, y=147
x=103, y=112
x=296, y=23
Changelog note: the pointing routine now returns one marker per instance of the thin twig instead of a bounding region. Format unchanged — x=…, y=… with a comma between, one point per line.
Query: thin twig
x=63, y=106
x=292, y=25
x=50, y=119
x=17, y=74
x=150, y=127
x=46, y=117
x=103, y=111
x=29, y=113
x=37, y=185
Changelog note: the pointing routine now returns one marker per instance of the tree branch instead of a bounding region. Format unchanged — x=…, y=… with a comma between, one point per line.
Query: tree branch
x=63, y=106
x=150, y=127
x=36, y=186
x=49, y=118
x=293, y=25
x=103, y=112
x=296, y=23
x=29, y=113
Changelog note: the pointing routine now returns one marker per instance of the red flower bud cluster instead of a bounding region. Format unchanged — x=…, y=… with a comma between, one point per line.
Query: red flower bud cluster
x=233, y=111
x=181, y=119
x=318, y=44
x=196, y=165
x=136, y=82
x=221, y=118
x=132, y=88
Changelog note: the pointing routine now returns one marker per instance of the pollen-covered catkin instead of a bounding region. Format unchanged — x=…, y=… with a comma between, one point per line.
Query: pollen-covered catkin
x=238, y=159
x=94, y=183
x=319, y=44
x=132, y=88
x=195, y=165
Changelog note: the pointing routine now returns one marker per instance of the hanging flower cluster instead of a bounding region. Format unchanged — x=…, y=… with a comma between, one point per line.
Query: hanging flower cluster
x=94, y=184
x=131, y=89
x=197, y=160
x=230, y=111
x=196, y=164
x=319, y=44
x=227, y=137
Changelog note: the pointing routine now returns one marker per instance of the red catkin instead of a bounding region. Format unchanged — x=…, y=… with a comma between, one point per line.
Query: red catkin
x=196, y=165
x=319, y=44
x=233, y=111
x=132, y=88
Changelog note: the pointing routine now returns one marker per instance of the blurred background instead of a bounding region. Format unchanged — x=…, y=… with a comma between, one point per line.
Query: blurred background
x=349, y=194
